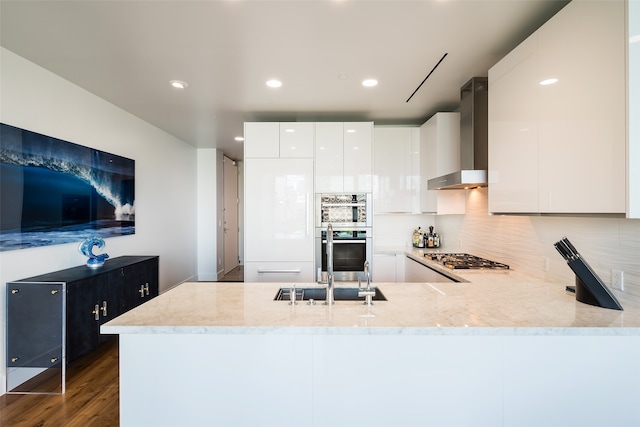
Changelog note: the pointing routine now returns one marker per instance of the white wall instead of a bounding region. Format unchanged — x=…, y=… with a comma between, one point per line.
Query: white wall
x=35, y=99
x=396, y=230
x=210, y=215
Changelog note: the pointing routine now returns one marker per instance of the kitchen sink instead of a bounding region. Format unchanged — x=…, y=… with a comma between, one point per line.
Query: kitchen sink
x=320, y=294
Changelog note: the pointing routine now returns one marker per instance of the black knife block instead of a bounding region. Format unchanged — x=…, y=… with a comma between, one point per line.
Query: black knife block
x=589, y=287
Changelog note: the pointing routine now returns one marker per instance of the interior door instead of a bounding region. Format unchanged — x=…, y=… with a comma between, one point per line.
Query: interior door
x=230, y=170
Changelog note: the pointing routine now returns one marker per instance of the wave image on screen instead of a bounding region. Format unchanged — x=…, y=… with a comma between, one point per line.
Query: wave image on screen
x=54, y=192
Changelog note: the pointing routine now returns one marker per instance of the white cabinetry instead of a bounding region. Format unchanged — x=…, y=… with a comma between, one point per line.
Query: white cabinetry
x=296, y=139
x=388, y=267
x=560, y=148
x=279, y=234
x=274, y=140
x=343, y=157
x=395, y=173
x=261, y=139
x=513, y=131
x=416, y=272
x=440, y=155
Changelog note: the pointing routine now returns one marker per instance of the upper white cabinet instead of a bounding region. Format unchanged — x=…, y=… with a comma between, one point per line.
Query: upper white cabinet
x=440, y=155
x=296, y=139
x=343, y=157
x=395, y=173
x=560, y=147
x=278, y=140
x=513, y=131
x=261, y=139
x=329, y=157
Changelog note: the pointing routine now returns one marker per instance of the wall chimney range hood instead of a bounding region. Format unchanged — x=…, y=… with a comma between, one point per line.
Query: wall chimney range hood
x=474, y=153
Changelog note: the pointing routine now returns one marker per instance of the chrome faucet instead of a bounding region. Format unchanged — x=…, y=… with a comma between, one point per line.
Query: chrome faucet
x=367, y=273
x=329, y=299
x=368, y=293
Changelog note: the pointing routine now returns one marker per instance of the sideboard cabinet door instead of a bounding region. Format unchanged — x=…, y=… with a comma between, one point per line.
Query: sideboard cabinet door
x=82, y=309
x=140, y=283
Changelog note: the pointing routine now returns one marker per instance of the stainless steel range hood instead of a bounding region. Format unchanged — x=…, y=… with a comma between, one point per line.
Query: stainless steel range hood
x=474, y=152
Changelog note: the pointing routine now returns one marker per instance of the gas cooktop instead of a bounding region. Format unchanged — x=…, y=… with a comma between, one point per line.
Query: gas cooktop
x=457, y=261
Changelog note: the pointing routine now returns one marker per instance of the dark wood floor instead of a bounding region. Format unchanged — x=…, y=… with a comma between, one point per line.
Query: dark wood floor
x=91, y=398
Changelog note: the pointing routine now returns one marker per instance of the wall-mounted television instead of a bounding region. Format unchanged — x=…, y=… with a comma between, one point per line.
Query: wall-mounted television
x=54, y=191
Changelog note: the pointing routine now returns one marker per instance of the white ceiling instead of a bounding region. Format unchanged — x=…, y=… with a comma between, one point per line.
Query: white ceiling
x=127, y=52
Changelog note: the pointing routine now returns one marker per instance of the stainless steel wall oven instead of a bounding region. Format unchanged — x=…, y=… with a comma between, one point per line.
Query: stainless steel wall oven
x=351, y=248
x=351, y=217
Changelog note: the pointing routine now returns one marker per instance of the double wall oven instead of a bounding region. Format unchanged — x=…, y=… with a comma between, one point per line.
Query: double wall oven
x=351, y=218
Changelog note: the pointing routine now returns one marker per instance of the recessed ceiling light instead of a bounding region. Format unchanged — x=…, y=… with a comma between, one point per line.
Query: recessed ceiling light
x=548, y=82
x=351, y=131
x=274, y=83
x=289, y=130
x=178, y=84
x=369, y=82
x=239, y=138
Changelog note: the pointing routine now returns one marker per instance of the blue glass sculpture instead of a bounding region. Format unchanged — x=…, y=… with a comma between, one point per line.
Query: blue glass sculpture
x=86, y=248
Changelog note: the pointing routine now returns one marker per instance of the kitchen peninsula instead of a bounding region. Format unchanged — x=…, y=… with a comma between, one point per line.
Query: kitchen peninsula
x=500, y=349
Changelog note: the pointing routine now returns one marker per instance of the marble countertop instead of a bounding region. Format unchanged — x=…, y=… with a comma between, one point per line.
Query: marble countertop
x=489, y=302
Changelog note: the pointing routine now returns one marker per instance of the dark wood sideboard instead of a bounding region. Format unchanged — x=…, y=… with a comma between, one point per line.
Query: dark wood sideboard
x=55, y=318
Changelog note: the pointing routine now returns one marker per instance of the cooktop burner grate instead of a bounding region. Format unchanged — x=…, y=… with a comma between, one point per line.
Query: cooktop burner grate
x=457, y=261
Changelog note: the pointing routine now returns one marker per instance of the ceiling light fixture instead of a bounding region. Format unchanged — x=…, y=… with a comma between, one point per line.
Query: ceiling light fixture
x=274, y=83
x=369, y=82
x=178, y=84
x=239, y=139
x=547, y=82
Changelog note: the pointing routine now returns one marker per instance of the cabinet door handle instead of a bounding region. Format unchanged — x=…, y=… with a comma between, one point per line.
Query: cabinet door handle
x=141, y=291
x=295, y=271
x=104, y=308
x=146, y=288
x=306, y=213
x=96, y=312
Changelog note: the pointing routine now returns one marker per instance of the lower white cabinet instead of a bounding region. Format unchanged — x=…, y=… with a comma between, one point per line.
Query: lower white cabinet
x=388, y=267
x=385, y=268
x=416, y=272
x=286, y=272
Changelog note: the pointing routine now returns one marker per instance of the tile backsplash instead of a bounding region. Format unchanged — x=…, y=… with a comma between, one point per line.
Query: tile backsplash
x=526, y=243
